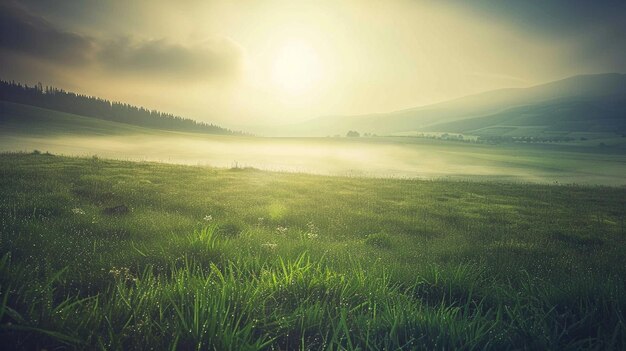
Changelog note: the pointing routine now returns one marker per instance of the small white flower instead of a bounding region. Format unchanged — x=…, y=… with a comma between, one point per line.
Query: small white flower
x=270, y=246
x=313, y=231
x=78, y=211
x=281, y=230
x=208, y=218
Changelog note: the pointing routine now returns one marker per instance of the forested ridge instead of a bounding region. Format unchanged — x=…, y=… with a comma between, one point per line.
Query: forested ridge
x=60, y=100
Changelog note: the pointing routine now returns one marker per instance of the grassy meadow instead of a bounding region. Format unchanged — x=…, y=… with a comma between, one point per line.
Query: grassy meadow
x=198, y=258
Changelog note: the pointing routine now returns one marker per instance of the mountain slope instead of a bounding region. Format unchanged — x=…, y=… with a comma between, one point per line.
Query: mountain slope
x=595, y=93
x=55, y=99
x=592, y=115
x=19, y=119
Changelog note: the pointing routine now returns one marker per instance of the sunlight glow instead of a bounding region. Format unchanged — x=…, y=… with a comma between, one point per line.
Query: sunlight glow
x=296, y=68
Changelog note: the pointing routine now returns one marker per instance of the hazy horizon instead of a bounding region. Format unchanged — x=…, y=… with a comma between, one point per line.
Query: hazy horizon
x=276, y=63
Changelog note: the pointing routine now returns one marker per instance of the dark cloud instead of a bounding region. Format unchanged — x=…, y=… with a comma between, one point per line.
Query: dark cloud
x=552, y=17
x=595, y=28
x=212, y=58
x=24, y=33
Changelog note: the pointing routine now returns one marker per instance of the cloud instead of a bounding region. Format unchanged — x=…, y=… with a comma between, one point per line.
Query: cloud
x=556, y=17
x=591, y=31
x=24, y=33
x=216, y=58
x=34, y=36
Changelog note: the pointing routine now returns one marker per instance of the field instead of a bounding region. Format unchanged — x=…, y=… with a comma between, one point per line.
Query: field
x=238, y=258
x=27, y=128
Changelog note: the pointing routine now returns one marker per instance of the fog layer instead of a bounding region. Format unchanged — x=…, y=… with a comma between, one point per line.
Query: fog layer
x=375, y=157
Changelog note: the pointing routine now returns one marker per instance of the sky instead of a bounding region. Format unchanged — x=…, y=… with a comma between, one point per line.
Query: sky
x=262, y=63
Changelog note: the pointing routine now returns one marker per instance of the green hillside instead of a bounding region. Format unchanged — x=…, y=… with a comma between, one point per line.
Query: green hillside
x=588, y=102
x=571, y=115
x=17, y=119
x=56, y=99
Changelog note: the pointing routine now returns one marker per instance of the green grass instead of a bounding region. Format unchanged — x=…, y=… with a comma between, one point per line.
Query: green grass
x=236, y=259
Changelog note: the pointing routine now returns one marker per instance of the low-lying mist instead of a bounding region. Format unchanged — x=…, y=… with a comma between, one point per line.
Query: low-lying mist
x=374, y=157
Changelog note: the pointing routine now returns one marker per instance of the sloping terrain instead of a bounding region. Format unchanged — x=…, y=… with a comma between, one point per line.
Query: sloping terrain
x=56, y=99
x=590, y=102
x=598, y=115
x=19, y=119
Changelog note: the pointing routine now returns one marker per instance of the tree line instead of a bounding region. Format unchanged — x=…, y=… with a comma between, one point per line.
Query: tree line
x=60, y=100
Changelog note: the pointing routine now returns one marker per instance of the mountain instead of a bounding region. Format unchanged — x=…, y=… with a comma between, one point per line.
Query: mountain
x=580, y=103
x=587, y=115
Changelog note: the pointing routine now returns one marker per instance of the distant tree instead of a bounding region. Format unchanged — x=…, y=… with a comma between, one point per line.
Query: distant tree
x=57, y=99
x=353, y=134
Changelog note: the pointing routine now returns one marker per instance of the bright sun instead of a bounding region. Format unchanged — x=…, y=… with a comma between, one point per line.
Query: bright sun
x=296, y=68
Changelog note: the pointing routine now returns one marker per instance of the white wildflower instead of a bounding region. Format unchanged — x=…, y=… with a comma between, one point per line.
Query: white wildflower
x=78, y=211
x=281, y=230
x=208, y=218
x=270, y=246
x=312, y=231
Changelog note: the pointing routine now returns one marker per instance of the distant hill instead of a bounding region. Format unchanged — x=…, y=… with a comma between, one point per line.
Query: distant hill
x=18, y=119
x=581, y=103
x=587, y=115
x=51, y=98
